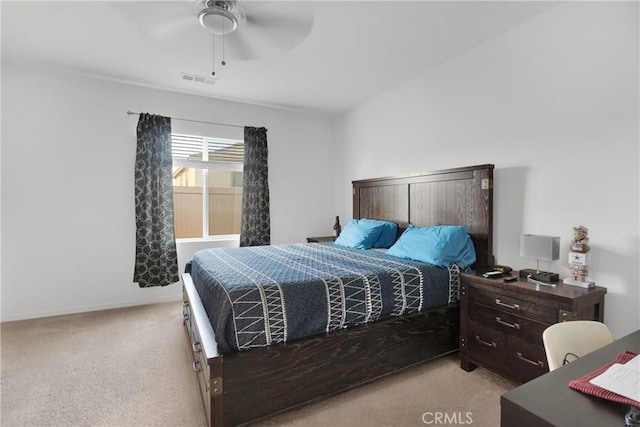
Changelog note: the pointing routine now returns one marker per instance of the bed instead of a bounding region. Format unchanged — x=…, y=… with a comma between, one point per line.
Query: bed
x=238, y=387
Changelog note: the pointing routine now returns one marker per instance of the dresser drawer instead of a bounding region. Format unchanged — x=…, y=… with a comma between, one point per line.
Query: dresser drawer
x=485, y=345
x=545, y=313
x=508, y=323
x=526, y=361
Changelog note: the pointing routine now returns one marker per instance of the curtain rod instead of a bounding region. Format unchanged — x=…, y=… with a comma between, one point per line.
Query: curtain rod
x=195, y=121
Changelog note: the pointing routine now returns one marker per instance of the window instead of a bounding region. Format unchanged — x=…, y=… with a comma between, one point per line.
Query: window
x=207, y=185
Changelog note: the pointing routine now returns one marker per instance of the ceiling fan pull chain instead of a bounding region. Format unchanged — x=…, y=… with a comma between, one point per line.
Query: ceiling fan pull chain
x=223, y=31
x=213, y=54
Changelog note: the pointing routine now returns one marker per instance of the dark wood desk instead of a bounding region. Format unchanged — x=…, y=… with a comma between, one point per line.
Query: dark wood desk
x=548, y=400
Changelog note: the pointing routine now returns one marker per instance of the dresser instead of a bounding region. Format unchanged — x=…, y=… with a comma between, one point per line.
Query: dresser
x=501, y=324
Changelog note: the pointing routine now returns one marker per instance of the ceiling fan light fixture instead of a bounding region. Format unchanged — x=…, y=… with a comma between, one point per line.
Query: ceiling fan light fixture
x=219, y=21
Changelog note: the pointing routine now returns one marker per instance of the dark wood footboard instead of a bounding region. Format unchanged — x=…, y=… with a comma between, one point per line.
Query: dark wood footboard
x=241, y=387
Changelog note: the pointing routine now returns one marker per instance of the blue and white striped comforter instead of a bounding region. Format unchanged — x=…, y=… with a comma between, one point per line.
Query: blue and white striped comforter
x=256, y=296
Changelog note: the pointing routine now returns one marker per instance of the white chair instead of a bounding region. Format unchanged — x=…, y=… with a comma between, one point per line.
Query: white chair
x=566, y=341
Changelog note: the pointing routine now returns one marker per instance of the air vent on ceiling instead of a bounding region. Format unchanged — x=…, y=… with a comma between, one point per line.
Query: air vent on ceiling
x=198, y=79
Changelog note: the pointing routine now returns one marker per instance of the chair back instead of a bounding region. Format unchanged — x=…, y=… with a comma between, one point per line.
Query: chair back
x=566, y=341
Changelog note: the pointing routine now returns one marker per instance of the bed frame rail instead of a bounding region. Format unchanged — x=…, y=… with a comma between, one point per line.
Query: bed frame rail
x=207, y=361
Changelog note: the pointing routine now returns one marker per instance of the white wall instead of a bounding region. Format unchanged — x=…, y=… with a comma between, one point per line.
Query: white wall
x=68, y=151
x=554, y=105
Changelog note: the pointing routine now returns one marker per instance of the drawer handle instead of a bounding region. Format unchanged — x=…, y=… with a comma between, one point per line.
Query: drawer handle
x=521, y=357
x=488, y=344
x=511, y=325
x=511, y=306
x=196, y=347
x=196, y=366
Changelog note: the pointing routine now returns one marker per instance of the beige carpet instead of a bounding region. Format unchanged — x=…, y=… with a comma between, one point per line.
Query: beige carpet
x=132, y=367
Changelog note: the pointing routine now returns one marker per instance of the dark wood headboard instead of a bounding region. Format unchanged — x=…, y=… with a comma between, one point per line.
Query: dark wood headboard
x=460, y=196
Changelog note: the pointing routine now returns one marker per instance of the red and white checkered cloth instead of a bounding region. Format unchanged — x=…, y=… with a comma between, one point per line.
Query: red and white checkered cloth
x=583, y=384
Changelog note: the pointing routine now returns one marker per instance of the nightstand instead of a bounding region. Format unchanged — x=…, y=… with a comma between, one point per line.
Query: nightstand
x=320, y=239
x=501, y=324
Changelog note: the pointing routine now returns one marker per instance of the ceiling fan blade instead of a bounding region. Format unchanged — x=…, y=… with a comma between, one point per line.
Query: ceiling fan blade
x=282, y=37
x=159, y=19
x=239, y=48
x=170, y=28
x=282, y=25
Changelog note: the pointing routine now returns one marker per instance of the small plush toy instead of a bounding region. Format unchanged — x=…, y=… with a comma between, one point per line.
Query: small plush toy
x=580, y=242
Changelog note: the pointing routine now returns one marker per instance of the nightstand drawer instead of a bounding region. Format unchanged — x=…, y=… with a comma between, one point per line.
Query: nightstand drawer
x=531, y=309
x=485, y=345
x=526, y=361
x=508, y=323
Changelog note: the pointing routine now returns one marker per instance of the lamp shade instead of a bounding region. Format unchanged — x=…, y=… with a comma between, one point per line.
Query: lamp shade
x=540, y=247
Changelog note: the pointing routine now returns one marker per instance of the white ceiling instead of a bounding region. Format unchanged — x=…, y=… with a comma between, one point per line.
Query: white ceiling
x=355, y=49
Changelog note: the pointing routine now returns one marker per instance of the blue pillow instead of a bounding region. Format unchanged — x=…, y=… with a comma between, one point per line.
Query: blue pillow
x=388, y=232
x=440, y=245
x=358, y=234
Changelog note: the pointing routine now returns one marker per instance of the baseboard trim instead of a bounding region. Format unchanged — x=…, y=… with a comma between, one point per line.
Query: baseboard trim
x=89, y=308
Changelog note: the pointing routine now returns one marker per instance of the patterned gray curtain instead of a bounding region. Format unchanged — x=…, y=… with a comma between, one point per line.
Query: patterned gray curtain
x=156, y=256
x=255, y=227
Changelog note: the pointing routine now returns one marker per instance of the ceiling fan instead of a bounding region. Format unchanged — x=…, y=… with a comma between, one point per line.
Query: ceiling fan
x=245, y=29
x=221, y=16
